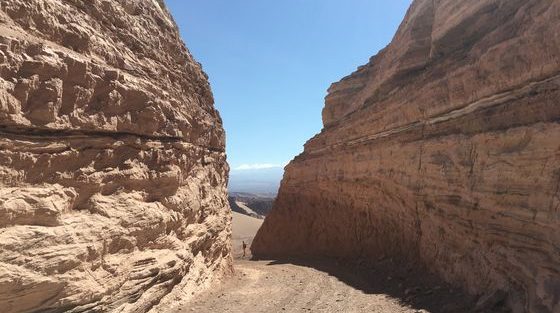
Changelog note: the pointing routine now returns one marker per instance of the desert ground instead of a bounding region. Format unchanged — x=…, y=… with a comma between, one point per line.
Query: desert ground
x=244, y=229
x=323, y=286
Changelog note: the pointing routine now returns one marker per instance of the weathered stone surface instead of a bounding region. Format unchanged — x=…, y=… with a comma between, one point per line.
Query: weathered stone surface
x=445, y=150
x=112, y=162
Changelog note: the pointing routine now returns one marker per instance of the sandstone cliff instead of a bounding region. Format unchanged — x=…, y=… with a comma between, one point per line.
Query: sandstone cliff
x=112, y=163
x=444, y=150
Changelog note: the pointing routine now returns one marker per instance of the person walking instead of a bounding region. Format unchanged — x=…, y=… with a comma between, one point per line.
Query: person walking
x=244, y=248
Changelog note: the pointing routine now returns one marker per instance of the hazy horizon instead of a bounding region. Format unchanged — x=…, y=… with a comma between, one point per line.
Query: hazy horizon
x=257, y=181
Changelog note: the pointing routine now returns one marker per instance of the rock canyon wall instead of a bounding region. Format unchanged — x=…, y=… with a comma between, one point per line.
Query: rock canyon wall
x=443, y=150
x=112, y=163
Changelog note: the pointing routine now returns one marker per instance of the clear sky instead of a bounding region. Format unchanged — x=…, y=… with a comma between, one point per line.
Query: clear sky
x=271, y=62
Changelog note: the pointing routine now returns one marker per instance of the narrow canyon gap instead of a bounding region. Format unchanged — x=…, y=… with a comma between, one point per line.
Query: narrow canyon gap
x=443, y=150
x=112, y=165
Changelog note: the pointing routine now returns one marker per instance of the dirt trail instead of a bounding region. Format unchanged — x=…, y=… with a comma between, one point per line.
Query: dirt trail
x=262, y=286
x=270, y=286
x=327, y=286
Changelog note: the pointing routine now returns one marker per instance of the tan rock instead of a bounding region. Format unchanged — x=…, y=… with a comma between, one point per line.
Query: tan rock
x=42, y=206
x=444, y=150
x=112, y=162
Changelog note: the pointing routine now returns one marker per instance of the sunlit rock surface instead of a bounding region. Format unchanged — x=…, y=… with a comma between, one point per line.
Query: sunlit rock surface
x=112, y=163
x=443, y=150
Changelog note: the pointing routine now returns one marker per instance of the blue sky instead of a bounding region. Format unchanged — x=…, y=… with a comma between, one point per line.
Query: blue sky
x=271, y=62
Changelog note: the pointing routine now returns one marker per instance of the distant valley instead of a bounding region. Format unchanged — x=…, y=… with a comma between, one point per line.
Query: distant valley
x=254, y=205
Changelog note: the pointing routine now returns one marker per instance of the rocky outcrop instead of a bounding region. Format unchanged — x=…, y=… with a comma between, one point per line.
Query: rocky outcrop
x=112, y=163
x=443, y=150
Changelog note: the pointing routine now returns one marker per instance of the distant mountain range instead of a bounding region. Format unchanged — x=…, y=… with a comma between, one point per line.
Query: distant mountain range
x=262, y=182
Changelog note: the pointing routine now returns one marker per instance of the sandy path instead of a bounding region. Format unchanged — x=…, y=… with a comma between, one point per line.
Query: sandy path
x=262, y=286
x=325, y=286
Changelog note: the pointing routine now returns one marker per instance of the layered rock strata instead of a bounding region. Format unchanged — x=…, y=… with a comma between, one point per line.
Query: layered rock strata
x=443, y=150
x=112, y=163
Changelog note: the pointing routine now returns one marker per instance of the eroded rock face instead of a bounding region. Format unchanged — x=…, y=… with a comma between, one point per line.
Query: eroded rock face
x=444, y=150
x=112, y=163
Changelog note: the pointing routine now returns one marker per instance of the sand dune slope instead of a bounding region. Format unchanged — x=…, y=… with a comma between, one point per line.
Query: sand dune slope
x=244, y=228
